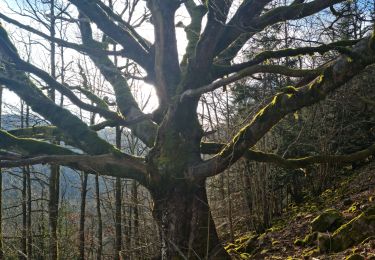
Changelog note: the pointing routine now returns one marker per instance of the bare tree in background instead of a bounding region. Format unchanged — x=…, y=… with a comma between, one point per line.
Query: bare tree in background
x=1, y=182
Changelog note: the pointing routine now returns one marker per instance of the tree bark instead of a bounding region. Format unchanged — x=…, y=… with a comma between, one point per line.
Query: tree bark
x=23, y=252
x=185, y=222
x=28, y=222
x=134, y=197
x=28, y=196
x=100, y=223
x=82, y=217
x=53, y=206
x=1, y=186
x=118, y=233
x=118, y=204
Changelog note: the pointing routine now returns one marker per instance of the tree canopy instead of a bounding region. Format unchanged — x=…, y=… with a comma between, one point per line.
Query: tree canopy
x=174, y=169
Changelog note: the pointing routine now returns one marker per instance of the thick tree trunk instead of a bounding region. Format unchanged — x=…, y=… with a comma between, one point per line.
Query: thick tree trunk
x=185, y=224
x=181, y=209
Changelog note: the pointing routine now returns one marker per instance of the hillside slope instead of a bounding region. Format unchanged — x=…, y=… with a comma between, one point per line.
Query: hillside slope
x=342, y=218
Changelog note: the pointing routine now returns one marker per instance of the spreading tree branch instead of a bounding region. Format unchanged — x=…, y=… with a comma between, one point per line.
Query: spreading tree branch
x=235, y=36
x=134, y=50
x=19, y=83
x=248, y=10
x=27, y=146
x=145, y=129
x=220, y=71
x=145, y=44
x=75, y=46
x=294, y=163
x=334, y=76
x=105, y=164
x=193, y=30
x=66, y=91
x=203, y=53
x=167, y=69
x=275, y=69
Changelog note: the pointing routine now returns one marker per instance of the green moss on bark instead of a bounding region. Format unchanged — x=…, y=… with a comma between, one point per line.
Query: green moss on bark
x=27, y=146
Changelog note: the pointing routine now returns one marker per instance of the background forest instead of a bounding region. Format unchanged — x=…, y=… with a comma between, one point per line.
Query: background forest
x=51, y=211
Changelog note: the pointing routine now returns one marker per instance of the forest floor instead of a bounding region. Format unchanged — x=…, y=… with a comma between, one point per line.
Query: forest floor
x=354, y=192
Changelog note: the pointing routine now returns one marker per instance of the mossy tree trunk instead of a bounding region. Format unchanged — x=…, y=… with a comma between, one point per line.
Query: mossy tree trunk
x=186, y=228
x=181, y=208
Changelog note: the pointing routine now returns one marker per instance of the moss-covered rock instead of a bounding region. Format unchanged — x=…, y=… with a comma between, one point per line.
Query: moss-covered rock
x=349, y=234
x=309, y=253
x=298, y=242
x=246, y=244
x=355, y=257
x=329, y=220
x=309, y=240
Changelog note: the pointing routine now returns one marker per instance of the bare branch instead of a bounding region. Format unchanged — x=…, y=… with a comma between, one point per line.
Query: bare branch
x=334, y=76
x=85, y=138
x=71, y=45
x=294, y=163
x=220, y=71
x=145, y=44
x=22, y=65
x=276, y=69
x=237, y=35
x=106, y=164
x=134, y=50
x=126, y=103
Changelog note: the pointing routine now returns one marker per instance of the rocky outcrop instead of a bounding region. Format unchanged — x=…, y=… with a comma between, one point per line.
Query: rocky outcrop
x=329, y=220
x=349, y=234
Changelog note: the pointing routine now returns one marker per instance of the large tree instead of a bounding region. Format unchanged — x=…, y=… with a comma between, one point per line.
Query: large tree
x=173, y=171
